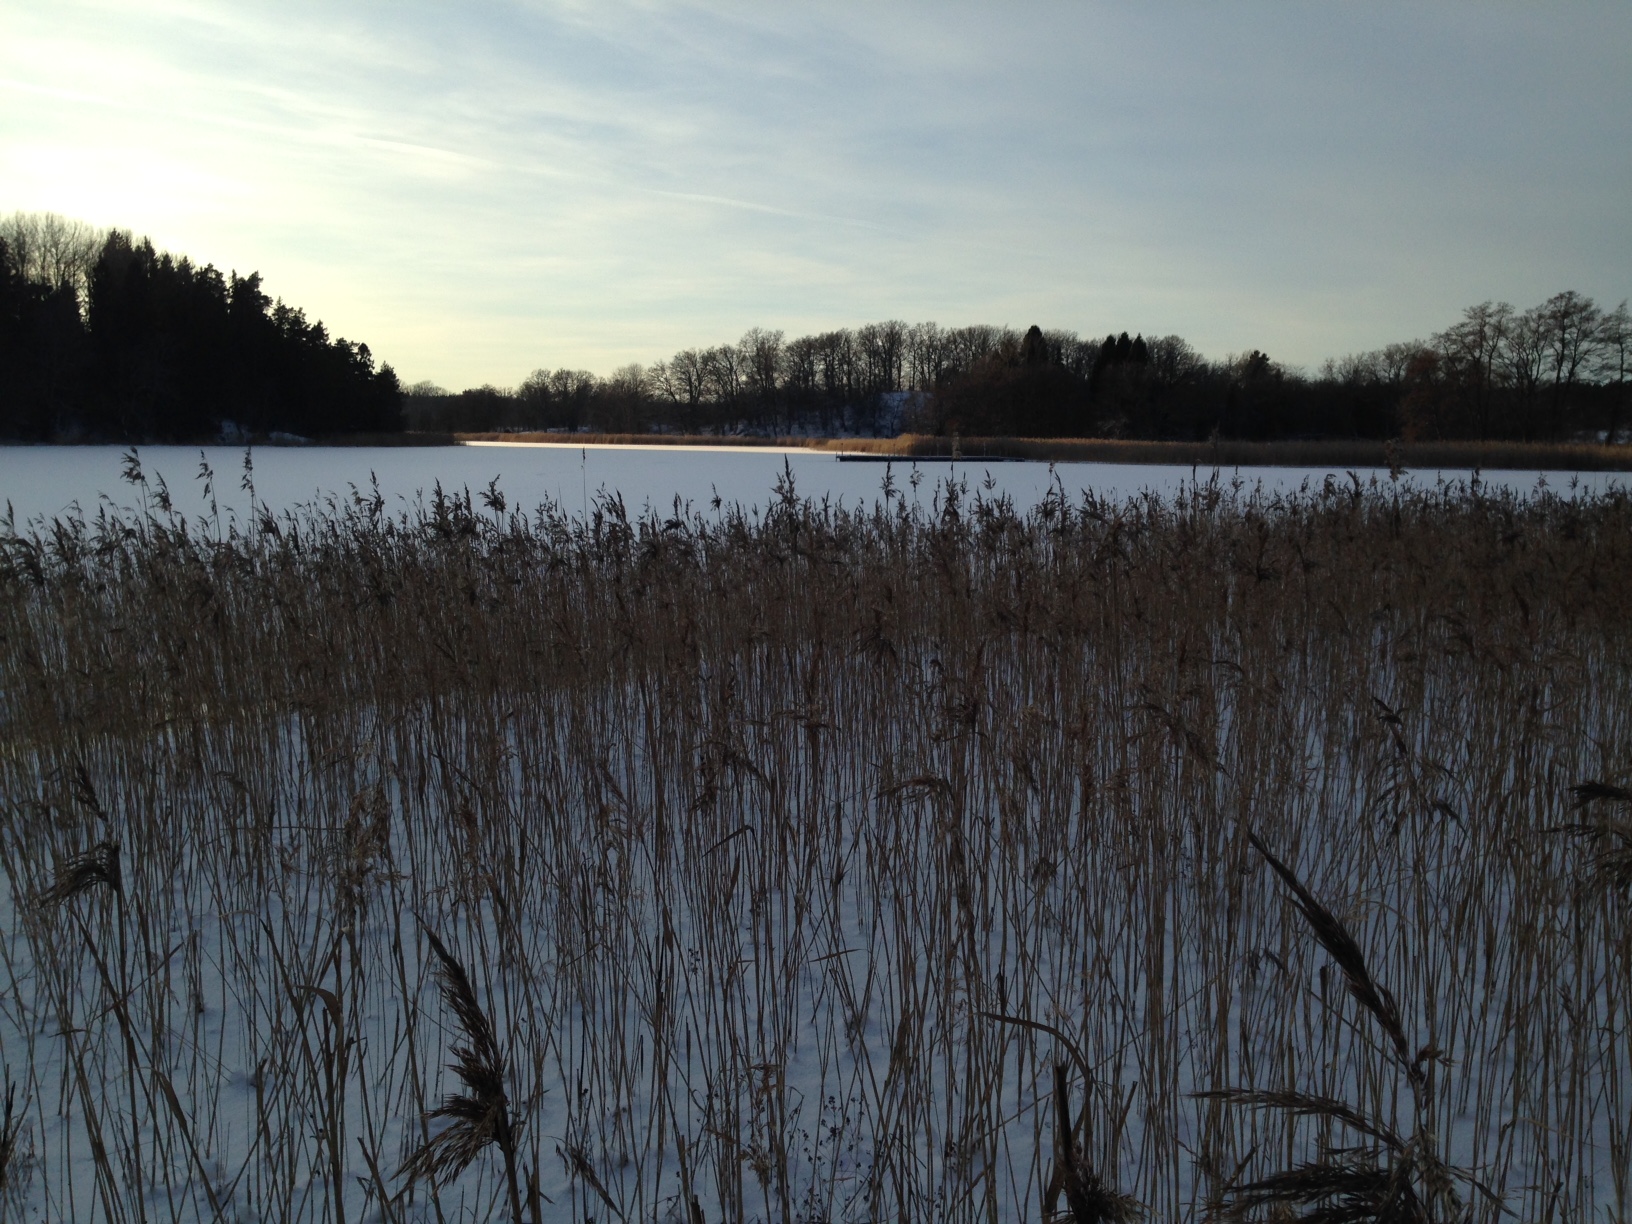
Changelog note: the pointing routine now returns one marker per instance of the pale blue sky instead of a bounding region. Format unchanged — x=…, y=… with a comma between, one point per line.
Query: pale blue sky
x=484, y=188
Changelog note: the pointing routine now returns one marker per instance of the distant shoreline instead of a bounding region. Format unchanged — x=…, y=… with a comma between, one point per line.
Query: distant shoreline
x=1324, y=453
x=1330, y=453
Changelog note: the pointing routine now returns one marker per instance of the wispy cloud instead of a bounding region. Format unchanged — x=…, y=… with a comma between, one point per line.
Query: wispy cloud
x=483, y=188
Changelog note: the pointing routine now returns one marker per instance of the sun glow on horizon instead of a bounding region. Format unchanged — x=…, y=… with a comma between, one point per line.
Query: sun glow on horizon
x=483, y=192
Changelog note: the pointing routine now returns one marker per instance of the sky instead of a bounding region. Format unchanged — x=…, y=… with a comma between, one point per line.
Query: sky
x=481, y=189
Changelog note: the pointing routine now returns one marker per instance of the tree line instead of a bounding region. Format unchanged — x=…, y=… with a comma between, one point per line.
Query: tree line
x=103, y=336
x=1555, y=371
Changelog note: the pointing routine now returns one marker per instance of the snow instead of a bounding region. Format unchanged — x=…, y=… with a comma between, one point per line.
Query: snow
x=48, y=481
x=774, y=984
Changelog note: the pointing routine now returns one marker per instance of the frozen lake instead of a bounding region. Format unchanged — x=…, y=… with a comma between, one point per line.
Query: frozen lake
x=48, y=481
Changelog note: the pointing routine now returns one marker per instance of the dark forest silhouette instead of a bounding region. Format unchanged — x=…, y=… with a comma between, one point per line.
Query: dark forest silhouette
x=105, y=337
x=1557, y=371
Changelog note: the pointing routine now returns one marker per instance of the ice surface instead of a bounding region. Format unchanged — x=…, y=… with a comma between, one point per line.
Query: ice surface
x=48, y=480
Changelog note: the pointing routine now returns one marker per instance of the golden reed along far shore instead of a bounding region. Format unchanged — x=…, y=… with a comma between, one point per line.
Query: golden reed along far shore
x=1333, y=453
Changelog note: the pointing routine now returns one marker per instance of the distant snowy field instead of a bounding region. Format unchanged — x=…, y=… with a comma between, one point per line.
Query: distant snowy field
x=49, y=481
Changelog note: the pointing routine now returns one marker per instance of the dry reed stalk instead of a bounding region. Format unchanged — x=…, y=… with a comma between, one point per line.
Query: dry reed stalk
x=11, y=1128
x=1332, y=935
x=1346, y=1184
x=155, y=1077
x=482, y=1114
x=1609, y=837
x=1088, y=1199
x=82, y=872
x=1096, y=693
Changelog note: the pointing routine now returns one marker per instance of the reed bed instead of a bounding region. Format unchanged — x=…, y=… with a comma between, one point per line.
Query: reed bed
x=1240, y=452
x=810, y=864
x=1220, y=453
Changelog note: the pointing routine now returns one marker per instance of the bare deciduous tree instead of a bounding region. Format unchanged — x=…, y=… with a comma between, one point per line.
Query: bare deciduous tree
x=760, y=359
x=52, y=250
x=1611, y=367
x=1472, y=351
x=1570, y=322
x=1524, y=358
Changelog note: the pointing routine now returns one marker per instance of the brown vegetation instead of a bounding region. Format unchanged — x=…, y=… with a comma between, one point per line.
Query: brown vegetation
x=1355, y=453
x=1556, y=371
x=779, y=863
